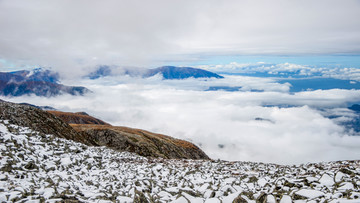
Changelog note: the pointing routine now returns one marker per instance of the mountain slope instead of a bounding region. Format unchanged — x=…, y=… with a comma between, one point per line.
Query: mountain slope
x=141, y=142
x=40, y=121
x=138, y=141
x=77, y=118
x=38, y=74
x=38, y=82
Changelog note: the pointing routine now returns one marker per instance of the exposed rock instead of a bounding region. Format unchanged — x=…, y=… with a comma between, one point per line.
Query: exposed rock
x=239, y=199
x=77, y=118
x=140, y=197
x=140, y=141
x=346, y=171
x=6, y=168
x=261, y=198
x=30, y=166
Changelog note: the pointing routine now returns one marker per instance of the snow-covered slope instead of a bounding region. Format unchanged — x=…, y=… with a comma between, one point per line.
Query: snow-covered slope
x=34, y=166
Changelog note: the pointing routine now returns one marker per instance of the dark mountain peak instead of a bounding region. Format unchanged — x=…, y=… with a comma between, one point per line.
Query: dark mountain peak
x=168, y=72
x=40, y=82
x=38, y=74
x=173, y=72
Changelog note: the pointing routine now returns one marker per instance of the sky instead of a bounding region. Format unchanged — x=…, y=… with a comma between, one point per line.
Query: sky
x=75, y=36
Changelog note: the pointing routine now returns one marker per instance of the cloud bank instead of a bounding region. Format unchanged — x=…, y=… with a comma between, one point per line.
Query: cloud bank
x=287, y=70
x=73, y=36
x=241, y=125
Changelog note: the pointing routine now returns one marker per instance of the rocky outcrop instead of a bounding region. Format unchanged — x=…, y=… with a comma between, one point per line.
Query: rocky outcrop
x=39, y=120
x=140, y=141
x=78, y=118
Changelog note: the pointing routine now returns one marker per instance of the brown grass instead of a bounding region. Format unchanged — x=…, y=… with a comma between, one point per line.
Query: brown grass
x=73, y=118
x=142, y=133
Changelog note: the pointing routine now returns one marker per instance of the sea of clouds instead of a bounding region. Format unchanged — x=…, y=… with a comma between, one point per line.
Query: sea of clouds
x=287, y=69
x=269, y=126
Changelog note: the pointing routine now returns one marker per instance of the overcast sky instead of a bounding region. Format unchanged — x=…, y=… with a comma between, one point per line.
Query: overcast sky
x=73, y=35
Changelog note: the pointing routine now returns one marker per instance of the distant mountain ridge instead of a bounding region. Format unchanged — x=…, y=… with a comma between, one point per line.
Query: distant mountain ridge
x=167, y=72
x=38, y=74
x=172, y=72
x=39, y=82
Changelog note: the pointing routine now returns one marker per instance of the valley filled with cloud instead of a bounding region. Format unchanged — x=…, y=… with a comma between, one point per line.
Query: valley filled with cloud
x=262, y=121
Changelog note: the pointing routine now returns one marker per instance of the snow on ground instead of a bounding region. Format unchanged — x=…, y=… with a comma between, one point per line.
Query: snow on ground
x=41, y=167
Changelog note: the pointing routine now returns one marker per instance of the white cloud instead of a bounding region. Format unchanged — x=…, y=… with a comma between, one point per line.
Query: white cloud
x=238, y=120
x=289, y=69
x=75, y=35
